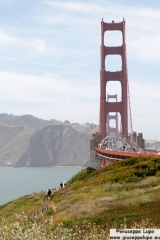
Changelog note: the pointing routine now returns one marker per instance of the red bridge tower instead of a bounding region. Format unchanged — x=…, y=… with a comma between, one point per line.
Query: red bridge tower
x=105, y=106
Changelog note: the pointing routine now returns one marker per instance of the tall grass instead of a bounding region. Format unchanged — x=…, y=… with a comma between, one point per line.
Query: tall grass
x=125, y=194
x=43, y=228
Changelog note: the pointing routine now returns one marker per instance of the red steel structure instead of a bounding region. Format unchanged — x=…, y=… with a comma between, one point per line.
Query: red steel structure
x=119, y=155
x=121, y=76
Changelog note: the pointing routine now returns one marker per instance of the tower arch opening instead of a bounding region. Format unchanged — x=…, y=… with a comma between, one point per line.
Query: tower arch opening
x=114, y=124
x=113, y=38
x=113, y=63
x=113, y=88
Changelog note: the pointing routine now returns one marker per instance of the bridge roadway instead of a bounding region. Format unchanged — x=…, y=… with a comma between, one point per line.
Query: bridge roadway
x=119, y=155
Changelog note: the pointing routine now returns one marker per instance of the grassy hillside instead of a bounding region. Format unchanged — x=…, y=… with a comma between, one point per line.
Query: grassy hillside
x=124, y=194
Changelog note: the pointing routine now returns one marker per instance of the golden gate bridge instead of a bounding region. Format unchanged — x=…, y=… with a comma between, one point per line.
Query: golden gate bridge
x=115, y=143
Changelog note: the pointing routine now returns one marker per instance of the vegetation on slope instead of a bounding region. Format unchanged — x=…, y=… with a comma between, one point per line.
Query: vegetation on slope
x=129, y=170
x=124, y=194
x=81, y=175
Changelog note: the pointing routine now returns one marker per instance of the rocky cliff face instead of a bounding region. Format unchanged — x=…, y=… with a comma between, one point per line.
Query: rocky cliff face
x=55, y=146
x=26, y=141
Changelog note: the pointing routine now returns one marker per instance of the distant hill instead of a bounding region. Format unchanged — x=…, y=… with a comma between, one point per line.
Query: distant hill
x=27, y=141
x=151, y=144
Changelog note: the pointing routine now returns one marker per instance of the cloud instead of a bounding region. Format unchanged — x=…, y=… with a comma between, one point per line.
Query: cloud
x=6, y=39
x=46, y=88
x=80, y=7
x=6, y=2
x=83, y=19
x=29, y=45
x=42, y=96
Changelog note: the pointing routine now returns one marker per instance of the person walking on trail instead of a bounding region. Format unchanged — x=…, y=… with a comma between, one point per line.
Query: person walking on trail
x=61, y=185
x=49, y=194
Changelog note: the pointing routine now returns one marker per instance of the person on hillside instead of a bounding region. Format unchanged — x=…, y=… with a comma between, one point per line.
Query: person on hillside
x=49, y=194
x=61, y=185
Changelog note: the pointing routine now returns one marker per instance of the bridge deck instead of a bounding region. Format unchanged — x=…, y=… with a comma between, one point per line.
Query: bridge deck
x=122, y=154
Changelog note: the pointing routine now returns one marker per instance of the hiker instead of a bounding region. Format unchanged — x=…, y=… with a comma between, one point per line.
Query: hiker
x=49, y=194
x=61, y=185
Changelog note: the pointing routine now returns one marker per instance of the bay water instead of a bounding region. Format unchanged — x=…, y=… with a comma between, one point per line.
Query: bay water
x=18, y=182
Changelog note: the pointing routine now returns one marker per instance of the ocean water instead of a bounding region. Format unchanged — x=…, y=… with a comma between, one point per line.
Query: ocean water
x=17, y=182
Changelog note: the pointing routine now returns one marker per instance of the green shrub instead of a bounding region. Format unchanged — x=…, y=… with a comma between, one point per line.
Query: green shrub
x=156, y=181
x=81, y=175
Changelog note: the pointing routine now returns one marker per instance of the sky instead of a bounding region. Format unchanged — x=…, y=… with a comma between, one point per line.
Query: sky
x=50, y=59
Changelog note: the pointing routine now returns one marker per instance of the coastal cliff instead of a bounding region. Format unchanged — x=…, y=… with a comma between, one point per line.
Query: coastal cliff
x=27, y=141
